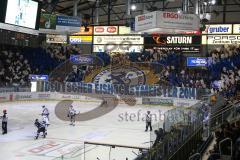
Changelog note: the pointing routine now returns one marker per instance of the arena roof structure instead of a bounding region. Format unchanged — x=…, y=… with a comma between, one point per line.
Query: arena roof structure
x=107, y=12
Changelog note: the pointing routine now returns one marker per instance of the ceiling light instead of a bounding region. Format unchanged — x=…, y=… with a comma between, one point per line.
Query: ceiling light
x=133, y=7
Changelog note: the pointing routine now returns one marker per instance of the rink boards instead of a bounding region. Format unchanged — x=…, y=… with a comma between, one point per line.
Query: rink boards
x=51, y=96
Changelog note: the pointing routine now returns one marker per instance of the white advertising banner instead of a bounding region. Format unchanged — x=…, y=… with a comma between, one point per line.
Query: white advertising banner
x=146, y=21
x=125, y=40
x=167, y=22
x=118, y=48
x=220, y=39
x=218, y=29
x=124, y=30
x=236, y=29
x=174, y=20
x=105, y=30
x=51, y=38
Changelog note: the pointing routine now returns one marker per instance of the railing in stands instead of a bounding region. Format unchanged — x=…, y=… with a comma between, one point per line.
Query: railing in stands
x=196, y=156
x=226, y=149
x=229, y=112
x=183, y=134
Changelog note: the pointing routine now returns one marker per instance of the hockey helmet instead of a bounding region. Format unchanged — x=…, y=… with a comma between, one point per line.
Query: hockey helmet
x=4, y=111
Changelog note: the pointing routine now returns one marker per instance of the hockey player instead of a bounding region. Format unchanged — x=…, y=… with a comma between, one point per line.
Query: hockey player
x=45, y=115
x=72, y=115
x=4, y=122
x=41, y=128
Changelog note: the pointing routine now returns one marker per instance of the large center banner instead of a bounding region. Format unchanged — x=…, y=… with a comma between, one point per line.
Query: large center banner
x=129, y=90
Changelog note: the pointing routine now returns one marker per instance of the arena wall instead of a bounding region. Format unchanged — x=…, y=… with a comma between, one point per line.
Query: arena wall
x=54, y=96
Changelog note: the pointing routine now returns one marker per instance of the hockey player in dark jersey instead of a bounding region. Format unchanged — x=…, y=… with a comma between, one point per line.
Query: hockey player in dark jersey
x=41, y=128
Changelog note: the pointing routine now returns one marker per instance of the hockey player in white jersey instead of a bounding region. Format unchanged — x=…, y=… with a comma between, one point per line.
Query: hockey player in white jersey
x=72, y=114
x=45, y=115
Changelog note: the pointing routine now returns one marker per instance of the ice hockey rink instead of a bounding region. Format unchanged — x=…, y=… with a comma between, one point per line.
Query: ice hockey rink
x=68, y=141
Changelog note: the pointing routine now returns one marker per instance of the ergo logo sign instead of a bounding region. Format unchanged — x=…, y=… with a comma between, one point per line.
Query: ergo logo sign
x=174, y=15
x=144, y=17
x=170, y=15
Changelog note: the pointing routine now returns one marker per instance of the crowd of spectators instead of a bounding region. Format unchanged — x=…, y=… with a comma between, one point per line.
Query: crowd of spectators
x=225, y=70
x=232, y=132
x=15, y=69
x=60, y=51
x=222, y=74
x=16, y=64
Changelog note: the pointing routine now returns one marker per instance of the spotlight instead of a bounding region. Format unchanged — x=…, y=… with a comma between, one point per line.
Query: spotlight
x=179, y=11
x=213, y=2
x=133, y=7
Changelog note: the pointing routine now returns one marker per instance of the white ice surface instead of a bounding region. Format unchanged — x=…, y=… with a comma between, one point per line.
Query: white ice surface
x=63, y=139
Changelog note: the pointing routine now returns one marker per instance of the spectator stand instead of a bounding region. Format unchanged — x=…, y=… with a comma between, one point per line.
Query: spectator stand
x=76, y=69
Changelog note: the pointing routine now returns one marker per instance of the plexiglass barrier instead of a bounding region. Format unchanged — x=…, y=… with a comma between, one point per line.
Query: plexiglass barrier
x=103, y=151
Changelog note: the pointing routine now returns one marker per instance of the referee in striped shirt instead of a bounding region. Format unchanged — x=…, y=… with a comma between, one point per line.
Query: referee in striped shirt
x=148, y=121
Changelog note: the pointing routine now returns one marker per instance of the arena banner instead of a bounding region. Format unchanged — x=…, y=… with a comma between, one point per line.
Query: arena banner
x=146, y=21
x=174, y=20
x=178, y=43
x=197, y=62
x=218, y=29
x=162, y=40
x=44, y=95
x=123, y=40
x=105, y=30
x=157, y=101
x=80, y=39
x=220, y=39
x=53, y=24
x=184, y=103
x=236, y=28
x=68, y=23
x=183, y=49
x=81, y=59
x=34, y=77
x=131, y=90
x=53, y=38
x=166, y=22
x=124, y=30
x=24, y=96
